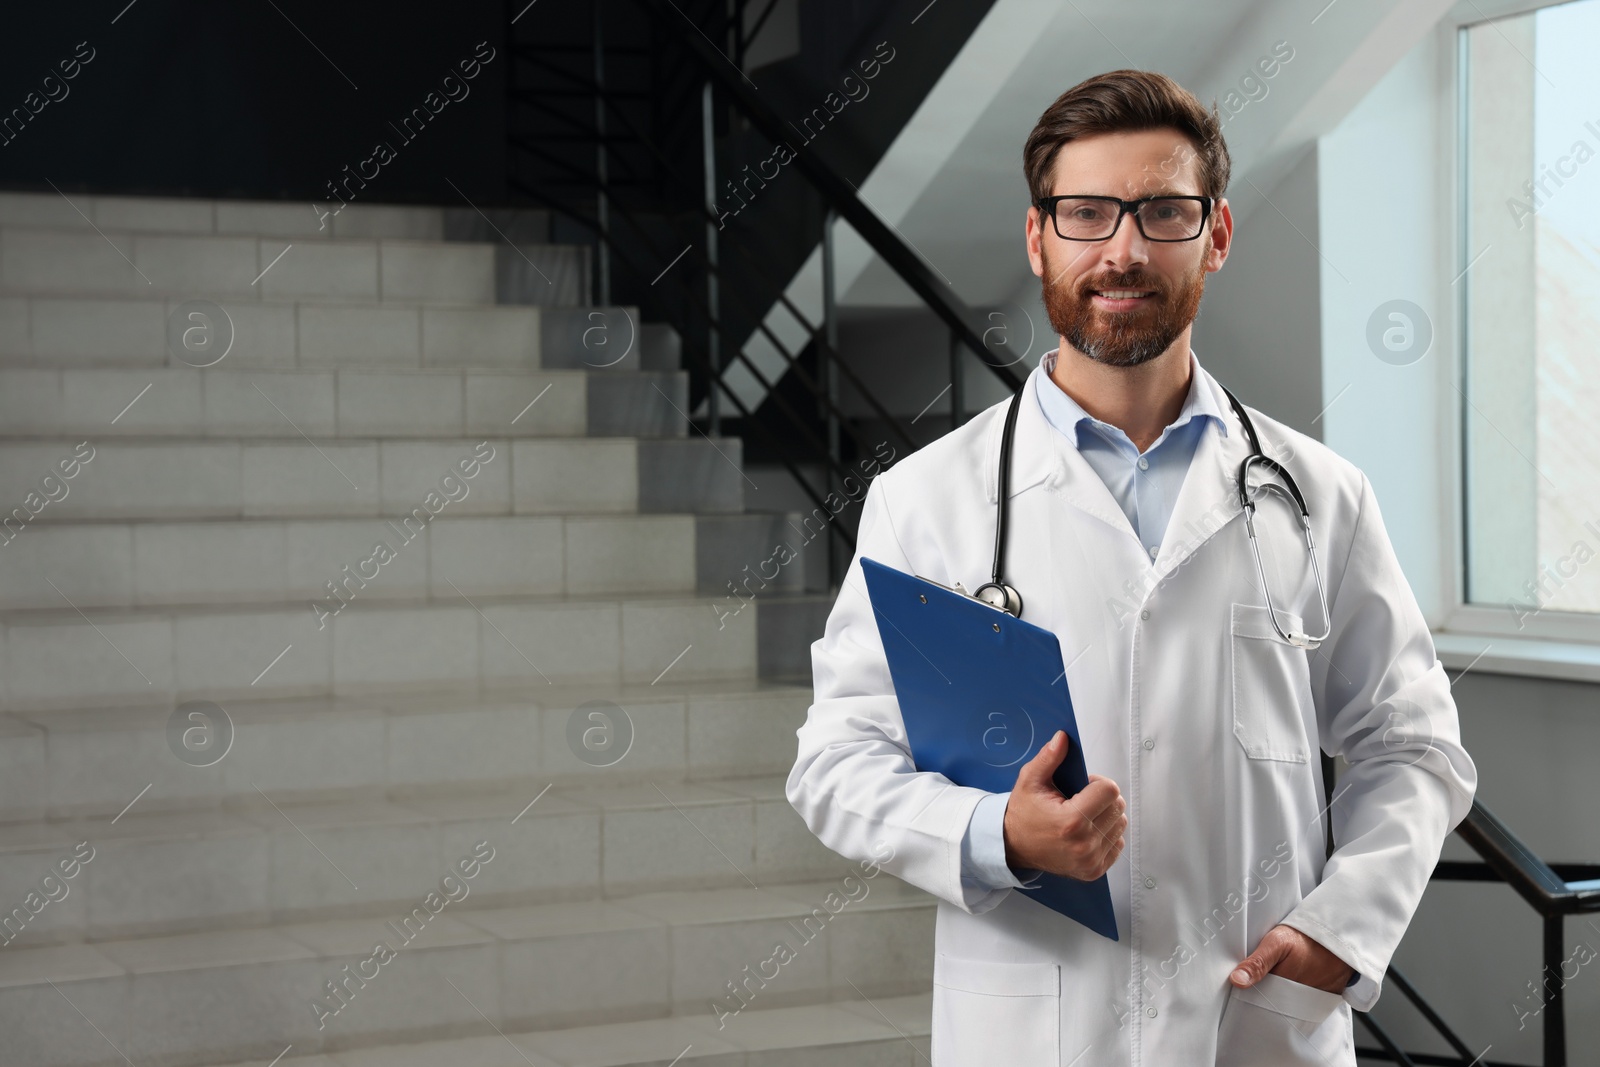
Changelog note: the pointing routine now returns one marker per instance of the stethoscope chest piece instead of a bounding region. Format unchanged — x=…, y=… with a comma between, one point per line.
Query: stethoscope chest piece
x=1002, y=596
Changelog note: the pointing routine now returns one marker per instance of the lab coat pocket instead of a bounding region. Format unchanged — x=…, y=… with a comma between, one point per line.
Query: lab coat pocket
x=1271, y=686
x=1279, y=1021
x=988, y=1012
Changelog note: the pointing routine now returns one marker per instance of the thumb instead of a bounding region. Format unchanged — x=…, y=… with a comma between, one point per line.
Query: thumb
x=1037, y=773
x=1266, y=956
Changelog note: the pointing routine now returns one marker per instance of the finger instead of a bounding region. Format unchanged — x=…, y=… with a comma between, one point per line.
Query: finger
x=1095, y=798
x=1109, y=857
x=1113, y=821
x=1273, y=947
x=1037, y=772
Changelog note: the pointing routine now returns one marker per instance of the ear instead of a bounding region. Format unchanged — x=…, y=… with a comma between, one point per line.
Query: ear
x=1033, y=233
x=1220, y=236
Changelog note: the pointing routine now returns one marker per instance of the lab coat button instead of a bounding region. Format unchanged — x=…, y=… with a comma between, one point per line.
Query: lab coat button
x=1149, y=743
x=1145, y=614
x=1149, y=883
x=1150, y=1012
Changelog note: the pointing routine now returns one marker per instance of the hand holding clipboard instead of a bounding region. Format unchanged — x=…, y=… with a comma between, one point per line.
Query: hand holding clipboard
x=981, y=693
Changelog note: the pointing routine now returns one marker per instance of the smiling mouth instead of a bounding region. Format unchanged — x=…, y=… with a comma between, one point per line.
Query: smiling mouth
x=1121, y=299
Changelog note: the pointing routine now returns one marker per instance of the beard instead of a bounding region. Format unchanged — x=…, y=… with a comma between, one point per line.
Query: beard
x=1122, y=338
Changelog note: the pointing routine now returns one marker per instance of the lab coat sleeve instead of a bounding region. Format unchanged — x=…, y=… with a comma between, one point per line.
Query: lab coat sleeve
x=1384, y=703
x=853, y=781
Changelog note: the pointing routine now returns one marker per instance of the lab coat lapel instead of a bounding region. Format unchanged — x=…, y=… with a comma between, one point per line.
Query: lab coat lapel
x=1034, y=459
x=1209, y=497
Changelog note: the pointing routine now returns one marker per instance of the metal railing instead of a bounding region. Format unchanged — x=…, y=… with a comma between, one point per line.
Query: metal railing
x=711, y=284
x=1554, y=892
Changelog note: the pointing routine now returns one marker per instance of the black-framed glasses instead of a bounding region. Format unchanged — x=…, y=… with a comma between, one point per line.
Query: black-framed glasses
x=1096, y=218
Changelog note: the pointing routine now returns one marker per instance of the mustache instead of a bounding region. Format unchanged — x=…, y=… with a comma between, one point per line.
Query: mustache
x=1120, y=280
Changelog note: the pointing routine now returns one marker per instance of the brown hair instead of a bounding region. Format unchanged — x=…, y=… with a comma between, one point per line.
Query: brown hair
x=1124, y=101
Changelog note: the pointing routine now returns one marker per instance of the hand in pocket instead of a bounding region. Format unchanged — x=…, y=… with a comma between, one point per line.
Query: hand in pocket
x=1288, y=953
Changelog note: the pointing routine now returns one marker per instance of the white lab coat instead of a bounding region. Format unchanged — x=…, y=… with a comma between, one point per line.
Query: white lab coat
x=1207, y=721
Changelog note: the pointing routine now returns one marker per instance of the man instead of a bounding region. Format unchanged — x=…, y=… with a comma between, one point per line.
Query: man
x=1240, y=940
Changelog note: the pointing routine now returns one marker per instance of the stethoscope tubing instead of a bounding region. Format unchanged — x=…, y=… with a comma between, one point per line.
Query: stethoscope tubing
x=997, y=593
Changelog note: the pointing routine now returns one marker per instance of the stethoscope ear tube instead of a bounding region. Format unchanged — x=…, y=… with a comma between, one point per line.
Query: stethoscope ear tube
x=1288, y=490
x=997, y=593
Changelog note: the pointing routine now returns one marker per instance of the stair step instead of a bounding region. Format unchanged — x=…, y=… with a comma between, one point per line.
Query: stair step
x=887, y=1031
x=287, y=402
x=290, y=561
x=89, y=763
x=275, y=859
x=321, y=332
x=192, y=215
x=248, y=477
x=250, y=992
x=107, y=657
x=150, y=563
x=196, y=266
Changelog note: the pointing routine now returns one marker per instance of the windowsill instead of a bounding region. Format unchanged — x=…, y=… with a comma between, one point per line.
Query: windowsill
x=1521, y=656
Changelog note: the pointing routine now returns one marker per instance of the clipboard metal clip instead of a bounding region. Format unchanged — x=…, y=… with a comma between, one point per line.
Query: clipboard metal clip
x=961, y=591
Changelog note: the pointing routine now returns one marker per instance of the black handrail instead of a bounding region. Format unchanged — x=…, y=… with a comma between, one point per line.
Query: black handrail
x=841, y=196
x=788, y=464
x=814, y=332
x=1553, y=891
x=729, y=283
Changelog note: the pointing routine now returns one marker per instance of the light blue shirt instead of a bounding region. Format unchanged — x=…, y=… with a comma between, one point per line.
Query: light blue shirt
x=1145, y=485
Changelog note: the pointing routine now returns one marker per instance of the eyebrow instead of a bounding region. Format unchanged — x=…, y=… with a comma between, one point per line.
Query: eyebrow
x=1162, y=192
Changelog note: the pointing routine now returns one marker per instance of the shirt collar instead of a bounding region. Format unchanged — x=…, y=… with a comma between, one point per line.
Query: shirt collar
x=1068, y=416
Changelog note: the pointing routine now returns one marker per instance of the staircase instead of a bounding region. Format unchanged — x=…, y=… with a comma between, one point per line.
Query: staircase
x=405, y=620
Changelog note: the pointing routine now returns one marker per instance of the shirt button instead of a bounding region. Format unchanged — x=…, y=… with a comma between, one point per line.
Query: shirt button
x=1145, y=614
x=1149, y=743
x=1150, y=1012
x=1154, y=549
x=1149, y=883
x=1144, y=464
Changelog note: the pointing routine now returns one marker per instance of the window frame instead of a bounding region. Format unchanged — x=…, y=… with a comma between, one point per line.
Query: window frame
x=1476, y=620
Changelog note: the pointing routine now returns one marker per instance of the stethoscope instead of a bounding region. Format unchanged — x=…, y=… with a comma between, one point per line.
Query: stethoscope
x=996, y=593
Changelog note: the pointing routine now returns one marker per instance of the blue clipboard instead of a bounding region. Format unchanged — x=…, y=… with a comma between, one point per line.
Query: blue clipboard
x=980, y=693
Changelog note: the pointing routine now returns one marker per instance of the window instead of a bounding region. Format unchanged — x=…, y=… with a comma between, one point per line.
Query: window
x=1531, y=314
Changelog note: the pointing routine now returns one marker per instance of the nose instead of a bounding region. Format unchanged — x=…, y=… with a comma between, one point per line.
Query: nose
x=1126, y=248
